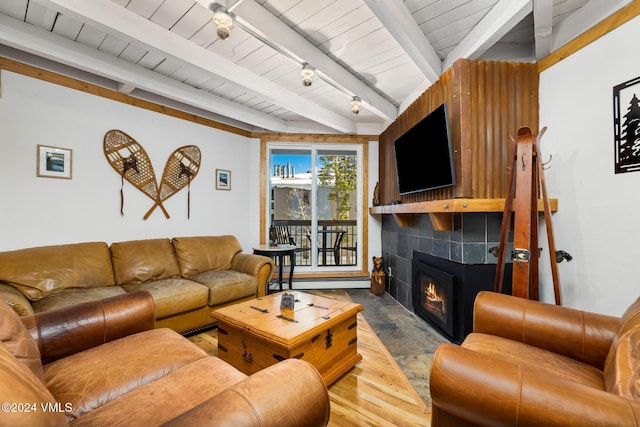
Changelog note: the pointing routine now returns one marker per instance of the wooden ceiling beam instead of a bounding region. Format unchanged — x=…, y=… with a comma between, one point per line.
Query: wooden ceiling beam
x=397, y=19
x=283, y=38
x=543, y=27
x=498, y=22
x=583, y=19
x=115, y=19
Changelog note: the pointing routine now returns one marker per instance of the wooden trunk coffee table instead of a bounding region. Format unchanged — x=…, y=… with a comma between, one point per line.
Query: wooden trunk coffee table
x=322, y=331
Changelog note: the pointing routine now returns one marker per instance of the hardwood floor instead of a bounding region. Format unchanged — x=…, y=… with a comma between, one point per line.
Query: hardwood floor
x=374, y=393
x=409, y=338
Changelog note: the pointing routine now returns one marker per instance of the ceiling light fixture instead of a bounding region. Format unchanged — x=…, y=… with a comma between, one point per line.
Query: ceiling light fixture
x=224, y=21
x=355, y=105
x=307, y=72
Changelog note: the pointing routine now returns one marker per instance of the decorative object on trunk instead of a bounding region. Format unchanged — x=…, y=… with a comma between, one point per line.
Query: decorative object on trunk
x=131, y=161
x=377, y=277
x=287, y=302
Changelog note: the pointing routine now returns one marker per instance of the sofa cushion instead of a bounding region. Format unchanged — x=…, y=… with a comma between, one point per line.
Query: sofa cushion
x=535, y=359
x=139, y=261
x=120, y=368
x=75, y=296
x=621, y=367
x=174, y=296
x=227, y=285
x=198, y=254
x=38, y=272
x=18, y=340
x=19, y=385
x=181, y=391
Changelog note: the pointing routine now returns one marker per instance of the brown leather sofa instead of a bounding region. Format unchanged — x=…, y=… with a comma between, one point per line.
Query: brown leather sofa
x=187, y=276
x=102, y=363
x=528, y=363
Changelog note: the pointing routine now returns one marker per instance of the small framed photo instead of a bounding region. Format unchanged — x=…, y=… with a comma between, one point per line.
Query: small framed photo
x=54, y=162
x=223, y=179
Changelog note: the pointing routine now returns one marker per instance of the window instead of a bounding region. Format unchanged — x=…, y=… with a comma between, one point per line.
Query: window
x=315, y=191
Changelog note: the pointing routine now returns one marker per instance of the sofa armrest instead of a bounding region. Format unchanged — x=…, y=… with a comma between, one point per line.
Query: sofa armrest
x=261, y=267
x=577, y=334
x=483, y=390
x=15, y=299
x=68, y=330
x=289, y=393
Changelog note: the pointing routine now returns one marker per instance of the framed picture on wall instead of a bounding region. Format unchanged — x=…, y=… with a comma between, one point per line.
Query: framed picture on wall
x=223, y=179
x=626, y=122
x=53, y=162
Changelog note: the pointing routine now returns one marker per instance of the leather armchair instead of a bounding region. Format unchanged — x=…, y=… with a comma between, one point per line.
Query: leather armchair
x=102, y=363
x=528, y=363
x=63, y=332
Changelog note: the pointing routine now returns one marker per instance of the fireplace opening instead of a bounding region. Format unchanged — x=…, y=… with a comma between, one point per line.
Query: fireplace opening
x=434, y=297
x=443, y=292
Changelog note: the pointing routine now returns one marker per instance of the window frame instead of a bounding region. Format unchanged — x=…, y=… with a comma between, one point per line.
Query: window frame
x=360, y=145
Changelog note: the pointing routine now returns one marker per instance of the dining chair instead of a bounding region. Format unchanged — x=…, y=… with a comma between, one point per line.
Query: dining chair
x=333, y=249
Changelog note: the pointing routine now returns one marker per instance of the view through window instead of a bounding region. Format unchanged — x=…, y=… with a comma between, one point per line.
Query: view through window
x=315, y=196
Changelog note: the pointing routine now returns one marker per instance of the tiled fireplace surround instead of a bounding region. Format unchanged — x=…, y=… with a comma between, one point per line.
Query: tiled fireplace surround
x=468, y=243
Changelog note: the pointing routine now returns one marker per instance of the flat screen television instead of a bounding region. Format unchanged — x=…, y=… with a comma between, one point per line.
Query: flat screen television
x=424, y=158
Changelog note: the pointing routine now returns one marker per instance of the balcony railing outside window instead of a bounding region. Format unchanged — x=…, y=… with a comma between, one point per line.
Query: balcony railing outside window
x=345, y=253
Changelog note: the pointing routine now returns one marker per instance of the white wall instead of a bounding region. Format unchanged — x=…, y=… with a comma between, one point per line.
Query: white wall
x=598, y=212
x=37, y=211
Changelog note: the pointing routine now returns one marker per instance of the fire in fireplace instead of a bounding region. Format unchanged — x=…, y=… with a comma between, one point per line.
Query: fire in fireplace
x=434, y=297
x=434, y=301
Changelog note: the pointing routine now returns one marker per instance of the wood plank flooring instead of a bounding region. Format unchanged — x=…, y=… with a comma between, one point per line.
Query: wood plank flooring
x=374, y=393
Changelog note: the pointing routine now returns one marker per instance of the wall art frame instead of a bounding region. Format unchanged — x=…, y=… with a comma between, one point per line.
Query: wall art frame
x=54, y=162
x=223, y=179
x=626, y=126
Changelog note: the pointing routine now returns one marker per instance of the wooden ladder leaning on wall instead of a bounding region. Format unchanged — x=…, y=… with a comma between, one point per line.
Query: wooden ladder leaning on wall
x=527, y=174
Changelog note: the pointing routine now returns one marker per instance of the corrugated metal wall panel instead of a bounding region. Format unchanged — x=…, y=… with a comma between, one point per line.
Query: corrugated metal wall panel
x=488, y=102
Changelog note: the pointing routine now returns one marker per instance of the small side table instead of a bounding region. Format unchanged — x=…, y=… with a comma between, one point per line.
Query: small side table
x=279, y=252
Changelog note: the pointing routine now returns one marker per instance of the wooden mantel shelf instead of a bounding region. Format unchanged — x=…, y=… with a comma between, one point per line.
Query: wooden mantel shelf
x=441, y=211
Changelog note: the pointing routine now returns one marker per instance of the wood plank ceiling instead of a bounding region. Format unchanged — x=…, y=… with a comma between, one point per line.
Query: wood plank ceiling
x=385, y=52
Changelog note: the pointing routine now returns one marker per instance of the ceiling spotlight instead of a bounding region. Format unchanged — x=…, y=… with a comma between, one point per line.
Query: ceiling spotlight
x=355, y=105
x=224, y=21
x=307, y=72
